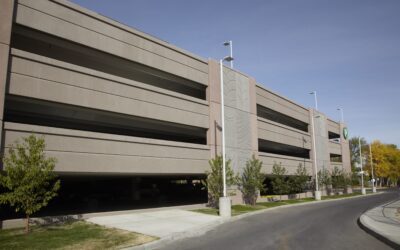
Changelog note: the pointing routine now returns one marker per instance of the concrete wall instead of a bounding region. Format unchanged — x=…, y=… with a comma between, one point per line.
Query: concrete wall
x=321, y=140
x=44, y=78
x=290, y=163
x=97, y=153
x=273, y=131
x=277, y=132
x=280, y=104
x=76, y=24
x=6, y=19
x=40, y=77
x=240, y=114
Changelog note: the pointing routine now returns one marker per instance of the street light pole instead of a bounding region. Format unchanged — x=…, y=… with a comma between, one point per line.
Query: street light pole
x=223, y=126
x=317, y=192
x=372, y=170
x=341, y=115
x=362, y=172
x=230, y=43
x=224, y=202
x=315, y=99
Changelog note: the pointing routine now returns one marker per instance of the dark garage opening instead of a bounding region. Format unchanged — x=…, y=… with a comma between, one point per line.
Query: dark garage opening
x=89, y=194
x=282, y=149
x=278, y=117
x=45, y=113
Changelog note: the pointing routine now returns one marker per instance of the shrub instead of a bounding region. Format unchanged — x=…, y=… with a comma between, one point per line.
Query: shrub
x=337, y=178
x=279, y=183
x=214, y=183
x=298, y=182
x=251, y=181
x=324, y=178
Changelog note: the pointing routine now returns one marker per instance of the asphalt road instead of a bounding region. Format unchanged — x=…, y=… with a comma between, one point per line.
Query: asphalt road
x=329, y=225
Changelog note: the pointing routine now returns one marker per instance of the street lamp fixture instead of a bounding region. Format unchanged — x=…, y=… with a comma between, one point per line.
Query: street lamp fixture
x=229, y=43
x=315, y=98
x=224, y=202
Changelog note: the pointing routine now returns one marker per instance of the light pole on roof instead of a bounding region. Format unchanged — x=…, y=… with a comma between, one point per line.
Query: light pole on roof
x=224, y=202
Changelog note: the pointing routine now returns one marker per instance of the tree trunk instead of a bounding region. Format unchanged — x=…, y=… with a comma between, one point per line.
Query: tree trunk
x=27, y=224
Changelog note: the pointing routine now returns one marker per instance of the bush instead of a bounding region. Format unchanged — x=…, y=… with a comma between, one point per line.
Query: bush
x=279, y=183
x=214, y=182
x=338, y=179
x=324, y=178
x=298, y=182
x=251, y=181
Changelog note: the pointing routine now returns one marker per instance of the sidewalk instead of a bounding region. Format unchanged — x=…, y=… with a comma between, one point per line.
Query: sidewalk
x=167, y=225
x=384, y=222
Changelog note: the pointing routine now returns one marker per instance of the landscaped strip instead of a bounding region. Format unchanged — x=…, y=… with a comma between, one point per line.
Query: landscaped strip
x=242, y=209
x=74, y=235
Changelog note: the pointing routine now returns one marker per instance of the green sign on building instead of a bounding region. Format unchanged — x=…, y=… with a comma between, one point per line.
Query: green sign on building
x=345, y=133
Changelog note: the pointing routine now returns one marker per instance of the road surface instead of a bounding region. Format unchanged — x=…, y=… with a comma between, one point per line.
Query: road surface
x=328, y=225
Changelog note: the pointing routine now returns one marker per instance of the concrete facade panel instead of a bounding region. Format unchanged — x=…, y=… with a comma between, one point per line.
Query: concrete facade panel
x=272, y=131
x=281, y=105
x=38, y=20
x=58, y=92
x=321, y=140
x=290, y=163
x=281, y=108
x=6, y=17
x=333, y=126
x=335, y=148
x=56, y=71
x=236, y=90
x=75, y=14
x=98, y=153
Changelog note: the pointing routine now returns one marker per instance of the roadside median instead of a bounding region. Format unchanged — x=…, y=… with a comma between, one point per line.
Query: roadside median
x=383, y=222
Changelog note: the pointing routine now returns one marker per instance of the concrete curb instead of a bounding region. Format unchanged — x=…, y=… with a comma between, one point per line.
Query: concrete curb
x=204, y=229
x=387, y=231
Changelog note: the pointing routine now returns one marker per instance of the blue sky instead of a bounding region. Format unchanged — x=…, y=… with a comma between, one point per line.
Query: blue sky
x=348, y=51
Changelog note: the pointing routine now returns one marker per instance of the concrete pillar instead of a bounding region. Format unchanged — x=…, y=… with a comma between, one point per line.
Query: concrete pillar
x=253, y=116
x=240, y=118
x=6, y=20
x=214, y=101
x=344, y=143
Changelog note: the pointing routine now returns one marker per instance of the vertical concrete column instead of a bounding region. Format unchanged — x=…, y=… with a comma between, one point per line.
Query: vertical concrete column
x=253, y=116
x=346, y=161
x=6, y=20
x=214, y=101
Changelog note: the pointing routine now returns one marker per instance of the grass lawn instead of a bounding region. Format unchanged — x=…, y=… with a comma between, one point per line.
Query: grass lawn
x=242, y=209
x=74, y=235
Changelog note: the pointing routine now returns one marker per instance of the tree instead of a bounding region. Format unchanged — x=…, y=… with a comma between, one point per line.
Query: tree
x=28, y=177
x=251, y=181
x=355, y=150
x=386, y=162
x=337, y=178
x=324, y=178
x=214, y=182
x=298, y=182
x=279, y=184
